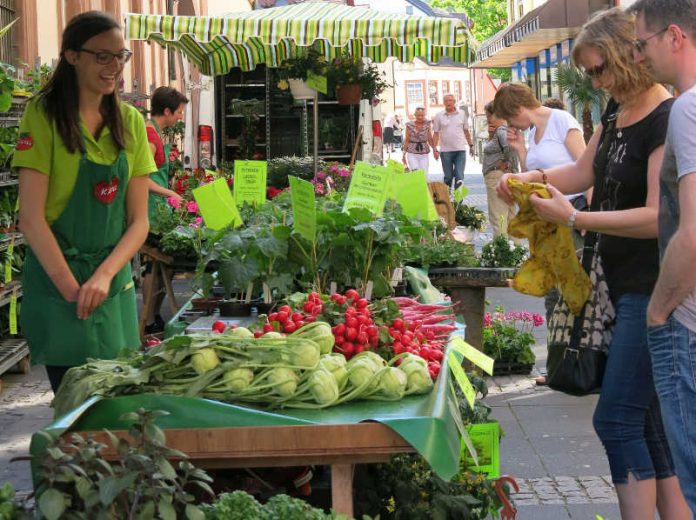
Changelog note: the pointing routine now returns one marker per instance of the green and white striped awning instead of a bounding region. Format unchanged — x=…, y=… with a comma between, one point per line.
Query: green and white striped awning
x=216, y=44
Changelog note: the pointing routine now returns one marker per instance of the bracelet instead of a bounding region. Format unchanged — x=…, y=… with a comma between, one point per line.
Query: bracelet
x=544, y=178
x=571, y=219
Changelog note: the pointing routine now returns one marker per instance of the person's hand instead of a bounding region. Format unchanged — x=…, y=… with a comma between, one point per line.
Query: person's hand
x=656, y=316
x=174, y=195
x=471, y=150
x=71, y=291
x=515, y=139
x=92, y=294
x=557, y=209
x=503, y=190
x=436, y=154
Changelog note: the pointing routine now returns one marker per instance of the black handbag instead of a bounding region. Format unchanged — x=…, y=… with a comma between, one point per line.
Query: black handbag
x=578, y=345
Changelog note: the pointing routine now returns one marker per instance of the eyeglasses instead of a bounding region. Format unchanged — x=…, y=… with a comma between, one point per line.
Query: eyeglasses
x=596, y=71
x=640, y=44
x=106, y=57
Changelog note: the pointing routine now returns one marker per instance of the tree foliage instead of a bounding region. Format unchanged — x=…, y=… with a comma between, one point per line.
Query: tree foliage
x=489, y=16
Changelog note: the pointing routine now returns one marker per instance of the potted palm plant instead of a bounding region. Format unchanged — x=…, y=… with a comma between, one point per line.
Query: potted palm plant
x=578, y=87
x=294, y=71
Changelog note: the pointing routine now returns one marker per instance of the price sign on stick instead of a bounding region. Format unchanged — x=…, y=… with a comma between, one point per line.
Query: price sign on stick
x=250, y=182
x=477, y=357
x=216, y=205
x=303, y=208
x=368, y=188
x=455, y=366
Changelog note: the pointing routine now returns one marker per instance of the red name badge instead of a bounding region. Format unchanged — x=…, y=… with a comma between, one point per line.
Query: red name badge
x=105, y=192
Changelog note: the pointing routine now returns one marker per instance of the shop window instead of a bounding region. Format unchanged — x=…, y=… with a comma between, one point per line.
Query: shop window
x=415, y=95
x=458, y=90
x=432, y=93
x=446, y=88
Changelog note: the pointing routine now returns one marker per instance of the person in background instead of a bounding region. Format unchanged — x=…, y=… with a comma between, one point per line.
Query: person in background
x=627, y=418
x=389, y=132
x=553, y=102
x=666, y=42
x=451, y=134
x=418, y=142
x=167, y=107
x=498, y=158
x=398, y=131
x=83, y=163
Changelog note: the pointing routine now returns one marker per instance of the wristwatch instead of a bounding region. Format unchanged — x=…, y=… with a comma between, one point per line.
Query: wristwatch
x=571, y=219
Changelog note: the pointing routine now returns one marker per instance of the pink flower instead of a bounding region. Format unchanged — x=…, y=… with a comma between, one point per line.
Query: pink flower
x=333, y=168
x=191, y=206
x=321, y=175
x=196, y=223
x=487, y=319
x=174, y=202
x=343, y=172
x=318, y=188
x=538, y=319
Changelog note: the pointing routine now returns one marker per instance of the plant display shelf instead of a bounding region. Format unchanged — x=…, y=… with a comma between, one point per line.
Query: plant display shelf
x=14, y=351
x=7, y=178
x=7, y=290
x=7, y=239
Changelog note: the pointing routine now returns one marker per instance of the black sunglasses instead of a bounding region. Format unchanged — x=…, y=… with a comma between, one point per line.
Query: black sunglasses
x=106, y=57
x=640, y=43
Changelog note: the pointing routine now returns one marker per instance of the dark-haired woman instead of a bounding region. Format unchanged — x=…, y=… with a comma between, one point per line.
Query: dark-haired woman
x=83, y=162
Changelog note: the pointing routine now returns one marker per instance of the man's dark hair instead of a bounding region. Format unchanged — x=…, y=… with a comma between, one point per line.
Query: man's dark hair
x=659, y=14
x=166, y=97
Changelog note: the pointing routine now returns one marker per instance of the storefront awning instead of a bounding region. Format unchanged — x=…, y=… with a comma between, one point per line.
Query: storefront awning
x=547, y=25
x=269, y=36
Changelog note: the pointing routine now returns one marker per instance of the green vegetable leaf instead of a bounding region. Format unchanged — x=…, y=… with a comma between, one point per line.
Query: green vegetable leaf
x=111, y=487
x=194, y=512
x=52, y=504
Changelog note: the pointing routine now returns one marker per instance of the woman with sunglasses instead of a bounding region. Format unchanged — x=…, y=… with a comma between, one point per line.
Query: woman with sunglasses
x=627, y=418
x=83, y=162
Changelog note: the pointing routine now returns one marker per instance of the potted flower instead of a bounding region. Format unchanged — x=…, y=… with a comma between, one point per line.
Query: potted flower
x=470, y=220
x=354, y=79
x=294, y=71
x=508, y=338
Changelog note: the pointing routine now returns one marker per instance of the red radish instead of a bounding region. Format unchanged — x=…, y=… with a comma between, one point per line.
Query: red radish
x=363, y=338
x=351, y=333
x=297, y=316
x=282, y=316
x=290, y=327
x=267, y=327
x=258, y=334
x=352, y=294
x=352, y=322
x=219, y=326
x=361, y=303
x=286, y=309
x=308, y=307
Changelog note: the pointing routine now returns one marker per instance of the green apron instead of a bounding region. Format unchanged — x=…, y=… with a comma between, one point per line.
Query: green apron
x=92, y=223
x=160, y=177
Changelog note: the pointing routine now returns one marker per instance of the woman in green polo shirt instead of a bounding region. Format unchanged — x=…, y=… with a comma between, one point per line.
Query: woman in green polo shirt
x=83, y=162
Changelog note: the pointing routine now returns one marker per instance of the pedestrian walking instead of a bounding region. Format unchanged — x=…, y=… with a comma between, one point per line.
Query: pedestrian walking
x=498, y=159
x=398, y=131
x=666, y=42
x=627, y=418
x=389, y=132
x=418, y=142
x=167, y=107
x=83, y=162
x=451, y=135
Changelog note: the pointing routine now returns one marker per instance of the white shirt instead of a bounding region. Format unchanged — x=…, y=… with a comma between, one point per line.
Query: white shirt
x=551, y=150
x=451, y=127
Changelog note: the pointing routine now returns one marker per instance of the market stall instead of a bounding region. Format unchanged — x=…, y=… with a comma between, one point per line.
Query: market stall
x=269, y=36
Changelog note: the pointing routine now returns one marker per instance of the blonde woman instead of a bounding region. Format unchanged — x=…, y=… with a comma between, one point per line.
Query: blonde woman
x=418, y=142
x=627, y=418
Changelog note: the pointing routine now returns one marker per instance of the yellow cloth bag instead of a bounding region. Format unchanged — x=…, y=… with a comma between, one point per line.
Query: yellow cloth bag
x=552, y=260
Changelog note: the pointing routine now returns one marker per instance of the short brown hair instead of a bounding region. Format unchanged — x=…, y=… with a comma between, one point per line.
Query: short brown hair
x=554, y=102
x=166, y=97
x=611, y=33
x=511, y=97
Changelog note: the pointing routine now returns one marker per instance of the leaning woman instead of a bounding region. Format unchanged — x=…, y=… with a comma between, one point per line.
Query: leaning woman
x=627, y=417
x=83, y=162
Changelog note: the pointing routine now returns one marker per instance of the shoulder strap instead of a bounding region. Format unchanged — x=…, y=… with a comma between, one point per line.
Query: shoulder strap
x=600, y=164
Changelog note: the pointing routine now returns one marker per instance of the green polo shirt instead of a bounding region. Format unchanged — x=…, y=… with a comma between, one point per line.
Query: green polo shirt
x=40, y=148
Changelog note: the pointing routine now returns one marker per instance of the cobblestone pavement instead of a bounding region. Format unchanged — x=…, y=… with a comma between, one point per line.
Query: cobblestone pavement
x=565, y=490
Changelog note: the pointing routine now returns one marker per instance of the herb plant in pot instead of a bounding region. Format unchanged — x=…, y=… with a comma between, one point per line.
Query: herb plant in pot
x=470, y=220
x=294, y=71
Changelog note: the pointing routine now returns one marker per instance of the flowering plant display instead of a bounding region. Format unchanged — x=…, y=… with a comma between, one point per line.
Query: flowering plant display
x=334, y=176
x=346, y=69
x=508, y=337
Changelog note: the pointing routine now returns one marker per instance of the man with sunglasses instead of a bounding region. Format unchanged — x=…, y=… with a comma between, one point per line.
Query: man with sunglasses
x=665, y=38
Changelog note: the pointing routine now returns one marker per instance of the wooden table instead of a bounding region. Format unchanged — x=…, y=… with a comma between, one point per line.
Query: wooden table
x=341, y=446
x=467, y=287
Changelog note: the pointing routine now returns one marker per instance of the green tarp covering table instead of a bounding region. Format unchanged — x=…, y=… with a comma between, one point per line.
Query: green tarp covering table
x=222, y=435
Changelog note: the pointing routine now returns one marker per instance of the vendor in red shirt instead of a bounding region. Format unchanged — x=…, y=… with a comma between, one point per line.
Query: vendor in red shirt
x=167, y=107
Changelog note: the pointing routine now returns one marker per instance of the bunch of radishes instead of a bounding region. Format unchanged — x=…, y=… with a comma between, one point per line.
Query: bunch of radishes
x=358, y=331
x=288, y=321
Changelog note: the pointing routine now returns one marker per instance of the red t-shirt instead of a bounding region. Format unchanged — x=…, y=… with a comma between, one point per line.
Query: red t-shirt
x=154, y=138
